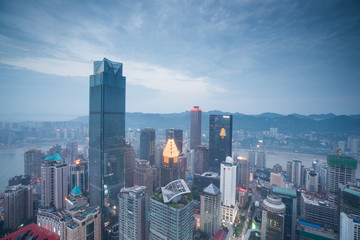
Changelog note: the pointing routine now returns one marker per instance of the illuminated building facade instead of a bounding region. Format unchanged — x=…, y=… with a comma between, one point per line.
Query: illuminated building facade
x=220, y=140
x=106, y=134
x=147, y=145
x=177, y=135
x=170, y=169
x=195, y=127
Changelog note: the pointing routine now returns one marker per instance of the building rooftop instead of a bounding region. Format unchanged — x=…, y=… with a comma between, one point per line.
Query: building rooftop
x=314, y=231
x=341, y=161
x=56, y=157
x=76, y=190
x=212, y=190
x=31, y=232
x=352, y=191
x=310, y=199
x=284, y=191
x=210, y=174
x=174, y=189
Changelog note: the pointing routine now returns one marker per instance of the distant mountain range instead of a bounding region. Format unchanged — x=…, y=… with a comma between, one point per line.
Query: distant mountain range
x=293, y=123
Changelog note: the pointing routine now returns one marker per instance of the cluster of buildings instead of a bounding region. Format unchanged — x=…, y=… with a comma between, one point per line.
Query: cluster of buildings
x=119, y=189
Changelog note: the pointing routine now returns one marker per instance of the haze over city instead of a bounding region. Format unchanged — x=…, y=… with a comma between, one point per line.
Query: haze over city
x=235, y=56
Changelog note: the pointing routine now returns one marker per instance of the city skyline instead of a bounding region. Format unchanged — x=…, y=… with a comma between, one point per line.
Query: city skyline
x=255, y=55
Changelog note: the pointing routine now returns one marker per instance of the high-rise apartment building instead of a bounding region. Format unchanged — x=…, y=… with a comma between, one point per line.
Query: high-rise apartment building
x=133, y=213
x=349, y=226
x=79, y=174
x=201, y=158
x=220, y=140
x=228, y=172
x=106, y=134
x=54, y=182
x=171, y=212
x=144, y=176
x=18, y=207
x=261, y=160
x=210, y=210
x=170, y=169
x=32, y=163
x=195, y=127
x=294, y=172
x=341, y=171
x=243, y=174
x=288, y=197
x=349, y=200
x=129, y=156
x=147, y=145
x=273, y=218
x=177, y=135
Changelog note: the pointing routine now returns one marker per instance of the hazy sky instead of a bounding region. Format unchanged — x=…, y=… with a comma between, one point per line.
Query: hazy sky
x=243, y=56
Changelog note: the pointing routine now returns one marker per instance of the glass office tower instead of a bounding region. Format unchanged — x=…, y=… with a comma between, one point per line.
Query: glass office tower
x=106, y=135
x=220, y=140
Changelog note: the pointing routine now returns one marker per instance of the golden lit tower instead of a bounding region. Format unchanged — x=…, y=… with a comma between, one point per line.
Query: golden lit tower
x=170, y=170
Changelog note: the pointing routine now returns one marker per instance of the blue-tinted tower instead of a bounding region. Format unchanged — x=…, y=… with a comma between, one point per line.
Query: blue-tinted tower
x=106, y=135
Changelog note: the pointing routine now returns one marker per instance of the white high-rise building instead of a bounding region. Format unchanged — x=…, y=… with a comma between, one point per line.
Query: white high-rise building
x=349, y=226
x=312, y=181
x=228, y=189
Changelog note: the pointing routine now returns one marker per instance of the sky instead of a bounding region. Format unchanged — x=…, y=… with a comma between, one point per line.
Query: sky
x=244, y=56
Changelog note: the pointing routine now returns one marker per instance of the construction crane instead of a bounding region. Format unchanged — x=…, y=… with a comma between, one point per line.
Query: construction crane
x=338, y=152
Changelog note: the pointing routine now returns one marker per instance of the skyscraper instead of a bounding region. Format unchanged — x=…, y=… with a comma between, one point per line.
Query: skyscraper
x=228, y=189
x=220, y=140
x=210, y=210
x=170, y=169
x=195, y=127
x=106, y=134
x=177, y=135
x=294, y=172
x=341, y=170
x=133, y=213
x=252, y=158
x=273, y=216
x=147, y=145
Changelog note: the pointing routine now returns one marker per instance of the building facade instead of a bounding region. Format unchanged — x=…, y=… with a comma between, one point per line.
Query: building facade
x=201, y=158
x=177, y=135
x=79, y=174
x=341, y=171
x=312, y=181
x=220, y=140
x=243, y=174
x=170, y=169
x=32, y=163
x=129, y=156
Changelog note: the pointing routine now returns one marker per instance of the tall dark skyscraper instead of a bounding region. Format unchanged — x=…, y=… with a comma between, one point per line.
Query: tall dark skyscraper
x=177, y=135
x=147, y=145
x=195, y=127
x=107, y=134
x=220, y=140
